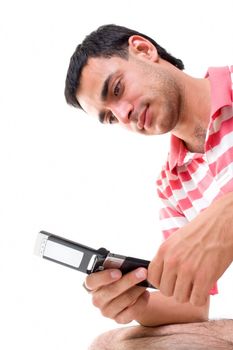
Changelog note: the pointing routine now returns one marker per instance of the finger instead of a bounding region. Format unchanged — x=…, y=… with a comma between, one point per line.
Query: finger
x=102, y=278
x=134, y=311
x=155, y=271
x=167, y=282
x=183, y=288
x=200, y=292
x=120, y=303
x=107, y=293
x=126, y=282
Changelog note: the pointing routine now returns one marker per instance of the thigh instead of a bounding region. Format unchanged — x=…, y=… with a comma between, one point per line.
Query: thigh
x=199, y=336
x=130, y=338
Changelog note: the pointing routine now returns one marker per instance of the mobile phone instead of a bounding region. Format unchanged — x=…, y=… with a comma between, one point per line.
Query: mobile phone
x=83, y=258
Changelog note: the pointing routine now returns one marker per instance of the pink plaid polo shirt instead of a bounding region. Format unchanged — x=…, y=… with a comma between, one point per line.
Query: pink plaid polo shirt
x=190, y=182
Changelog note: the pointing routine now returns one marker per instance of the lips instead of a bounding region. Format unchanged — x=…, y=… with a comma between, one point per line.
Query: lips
x=141, y=120
x=144, y=120
x=147, y=123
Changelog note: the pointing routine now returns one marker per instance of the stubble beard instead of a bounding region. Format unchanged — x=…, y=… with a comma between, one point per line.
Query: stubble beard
x=166, y=94
x=169, y=108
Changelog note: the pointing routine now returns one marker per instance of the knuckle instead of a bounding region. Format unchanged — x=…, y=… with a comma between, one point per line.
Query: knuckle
x=98, y=279
x=96, y=300
x=162, y=249
x=172, y=262
x=121, y=319
x=106, y=313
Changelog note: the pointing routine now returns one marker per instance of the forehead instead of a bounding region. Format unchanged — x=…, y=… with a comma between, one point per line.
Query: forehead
x=99, y=65
x=94, y=74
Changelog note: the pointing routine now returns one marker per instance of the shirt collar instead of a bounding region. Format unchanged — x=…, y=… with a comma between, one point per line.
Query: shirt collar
x=221, y=88
x=177, y=152
x=221, y=95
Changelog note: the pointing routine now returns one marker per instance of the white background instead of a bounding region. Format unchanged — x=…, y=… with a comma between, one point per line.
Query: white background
x=63, y=172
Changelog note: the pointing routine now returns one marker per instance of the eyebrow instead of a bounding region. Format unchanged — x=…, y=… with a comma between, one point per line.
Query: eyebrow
x=104, y=91
x=101, y=117
x=104, y=94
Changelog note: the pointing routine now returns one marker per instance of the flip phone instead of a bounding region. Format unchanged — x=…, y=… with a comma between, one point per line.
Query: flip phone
x=83, y=258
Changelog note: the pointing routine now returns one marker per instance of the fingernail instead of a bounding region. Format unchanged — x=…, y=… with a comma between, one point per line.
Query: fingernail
x=141, y=273
x=115, y=274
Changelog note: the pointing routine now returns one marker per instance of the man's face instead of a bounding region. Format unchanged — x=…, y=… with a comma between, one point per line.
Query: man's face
x=140, y=93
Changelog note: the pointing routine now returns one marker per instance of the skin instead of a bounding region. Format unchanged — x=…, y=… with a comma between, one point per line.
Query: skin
x=169, y=99
x=215, y=335
x=148, y=95
x=187, y=267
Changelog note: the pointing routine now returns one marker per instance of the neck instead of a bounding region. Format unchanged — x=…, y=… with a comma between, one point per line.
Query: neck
x=194, y=113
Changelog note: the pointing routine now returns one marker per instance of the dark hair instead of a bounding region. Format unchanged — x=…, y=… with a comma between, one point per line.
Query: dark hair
x=107, y=41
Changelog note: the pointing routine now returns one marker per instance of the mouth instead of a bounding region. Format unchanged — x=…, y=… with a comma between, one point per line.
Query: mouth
x=144, y=120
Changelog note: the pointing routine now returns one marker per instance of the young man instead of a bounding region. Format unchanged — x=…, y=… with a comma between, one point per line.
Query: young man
x=121, y=76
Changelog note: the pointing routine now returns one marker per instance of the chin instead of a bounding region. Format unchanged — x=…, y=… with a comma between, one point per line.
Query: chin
x=163, y=129
x=158, y=131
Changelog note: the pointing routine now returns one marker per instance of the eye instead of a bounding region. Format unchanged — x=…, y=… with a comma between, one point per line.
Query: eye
x=112, y=119
x=117, y=88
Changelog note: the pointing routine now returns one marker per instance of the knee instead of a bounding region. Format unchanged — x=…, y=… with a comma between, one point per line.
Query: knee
x=111, y=340
x=101, y=342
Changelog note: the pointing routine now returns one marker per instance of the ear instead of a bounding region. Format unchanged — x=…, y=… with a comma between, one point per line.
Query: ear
x=138, y=45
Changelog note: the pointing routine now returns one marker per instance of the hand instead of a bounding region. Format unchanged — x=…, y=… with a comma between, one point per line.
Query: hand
x=117, y=296
x=191, y=260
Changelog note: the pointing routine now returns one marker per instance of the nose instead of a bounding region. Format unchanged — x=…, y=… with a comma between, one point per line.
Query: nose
x=122, y=111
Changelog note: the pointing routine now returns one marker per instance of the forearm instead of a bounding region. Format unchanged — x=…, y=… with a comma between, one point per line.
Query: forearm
x=162, y=310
